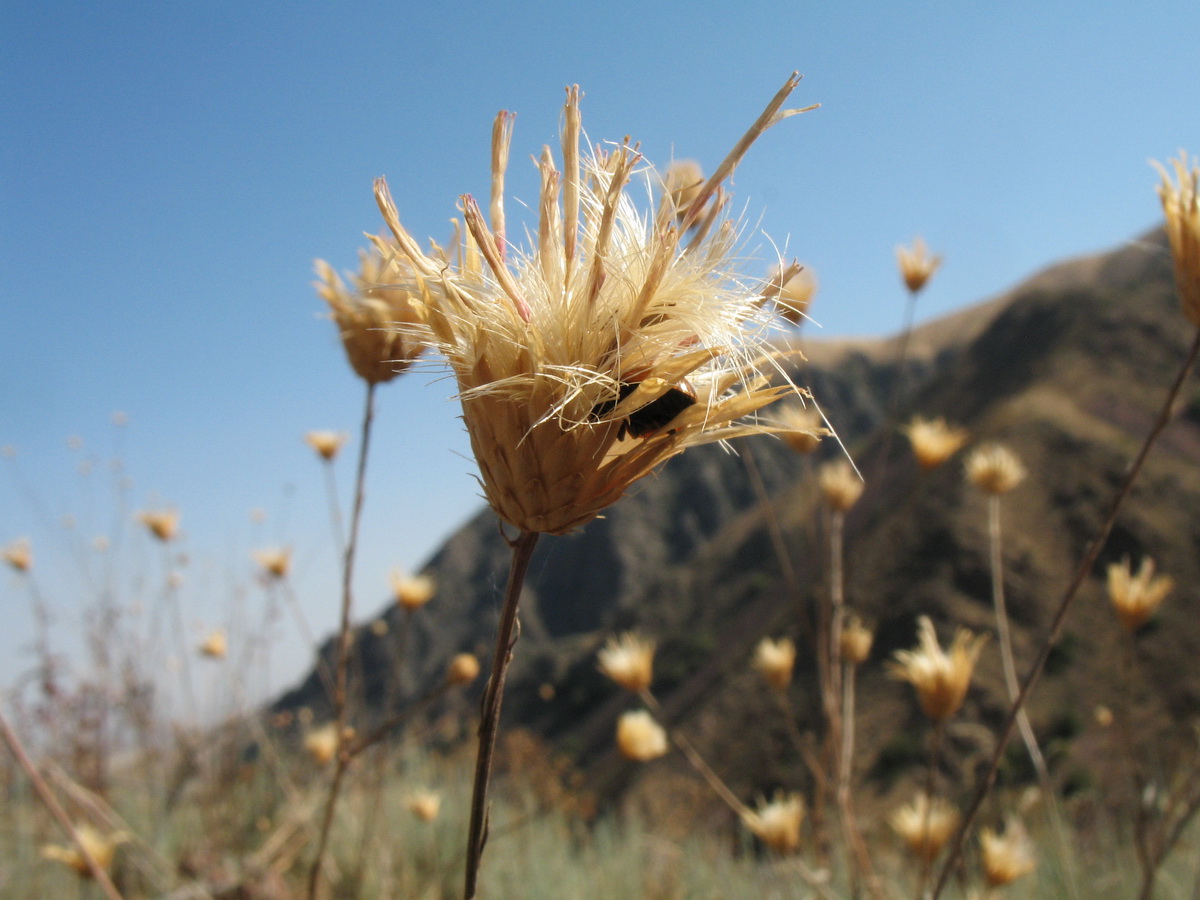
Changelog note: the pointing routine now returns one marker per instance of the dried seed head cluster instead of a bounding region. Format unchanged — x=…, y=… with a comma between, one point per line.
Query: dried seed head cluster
x=681, y=186
x=917, y=265
x=275, y=562
x=994, y=469
x=854, y=646
x=775, y=660
x=425, y=805
x=803, y=426
x=777, y=823
x=463, y=669
x=379, y=321
x=940, y=678
x=1007, y=856
x=792, y=292
x=1136, y=597
x=619, y=340
x=840, y=484
x=1181, y=206
x=163, y=524
x=934, y=441
x=215, y=646
x=628, y=659
x=18, y=554
x=926, y=827
x=101, y=847
x=639, y=737
x=326, y=443
x=322, y=743
x=413, y=592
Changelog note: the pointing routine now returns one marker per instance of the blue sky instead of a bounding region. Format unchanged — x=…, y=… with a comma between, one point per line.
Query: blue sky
x=169, y=171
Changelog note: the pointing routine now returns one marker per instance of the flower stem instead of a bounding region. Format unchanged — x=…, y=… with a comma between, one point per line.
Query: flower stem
x=341, y=758
x=493, y=696
x=1060, y=615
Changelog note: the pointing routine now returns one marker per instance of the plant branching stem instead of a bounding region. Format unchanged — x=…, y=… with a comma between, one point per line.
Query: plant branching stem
x=1060, y=615
x=51, y=802
x=493, y=697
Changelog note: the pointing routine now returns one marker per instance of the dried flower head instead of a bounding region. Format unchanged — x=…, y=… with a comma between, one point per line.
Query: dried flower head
x=163, y=524
x=940, y=678
x=275, y=562
x=413, y=592
x=215, y=646
x=792, y=291
x=326, y=443
x=803, y=426
x=628, y=659
x=639, y=737
x=463, y=669
x=916, y=265
x=777, y=823
x=425, y=805
x=775, y=660
x=933, y=441
x=1008, y=856
x=925, y=827
x=1181, y=206
x=854, y=645
x=681, y=186
x=609, y=347
x=994, y=469
x=840, y=484
x=379, y=320
x=1136, y=597
x=18, y=554
x=101, y=847
x=322, y=743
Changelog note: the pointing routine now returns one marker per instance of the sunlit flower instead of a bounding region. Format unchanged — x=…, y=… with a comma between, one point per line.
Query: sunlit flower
x=777, y=823
x=463, y=669
x=840, y=484
x=628, y=659
x=916, y=265
x=925, y=827
x=275, y=562
x=18, y=554
x=639, y=737
x=326, y=443
x=1136, y=597
x=163, y=524
x=215, y=646
x=1181, y=206
x=940, y=678
x=1008, y=856
x=425, y=805
x=934, y=441
x=379, y=322
x=994, y=469
x=619, y=340
x=775, y=660
x=413, y=592
x=101, y=847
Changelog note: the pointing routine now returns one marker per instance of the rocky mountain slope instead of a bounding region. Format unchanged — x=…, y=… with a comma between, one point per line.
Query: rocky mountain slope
x=1068, y=370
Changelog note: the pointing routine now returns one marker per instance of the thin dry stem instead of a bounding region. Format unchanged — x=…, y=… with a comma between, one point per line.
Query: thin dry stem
x=1060, y=616
x=493, y=697
x=341, y=759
